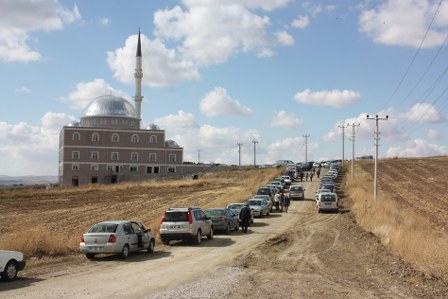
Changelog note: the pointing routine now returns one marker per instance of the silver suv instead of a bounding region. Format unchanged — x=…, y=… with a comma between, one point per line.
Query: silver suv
x=185, y=223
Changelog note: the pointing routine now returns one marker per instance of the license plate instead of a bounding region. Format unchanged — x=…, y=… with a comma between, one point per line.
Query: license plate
x=328, y=204
x=95, y=248
x=174, y=227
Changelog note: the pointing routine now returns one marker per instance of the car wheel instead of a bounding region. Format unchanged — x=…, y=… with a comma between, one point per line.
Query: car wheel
x=124, y=252
x=10, y=271
x=150, y=248
x=198, y=238
x=210, y=235
x=227, y=229
x=90, y=256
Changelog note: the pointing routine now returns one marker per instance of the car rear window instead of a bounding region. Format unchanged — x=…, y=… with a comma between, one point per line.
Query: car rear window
x=296, y=188
x=214, y=212
x=177, y=216
x=254, y=202
x=104, y=228
x=235, y=207
x=328, y=198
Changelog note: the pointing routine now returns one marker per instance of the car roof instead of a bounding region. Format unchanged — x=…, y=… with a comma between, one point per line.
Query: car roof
x=116, y=221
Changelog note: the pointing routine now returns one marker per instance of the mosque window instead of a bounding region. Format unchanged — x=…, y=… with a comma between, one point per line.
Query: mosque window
x=153, y=139
x=75, y=167
x=133, y=168
x=95, y=137
x=114, y=156
x=172, y=158
x=152, y=157
x=134, y=138
x=94, y=167
x=115, y=138
x=134, y=156
x=76, y=136
x=75, y=155
x=171, y=169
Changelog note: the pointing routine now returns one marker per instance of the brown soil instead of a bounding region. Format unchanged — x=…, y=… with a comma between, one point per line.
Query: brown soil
x=301, y=254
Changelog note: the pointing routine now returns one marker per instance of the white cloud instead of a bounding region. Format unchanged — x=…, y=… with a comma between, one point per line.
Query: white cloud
x=32, y=150
x=213, y=31
x=218, y=102
x=290, y=149
x=87, y=91
x=283, y=119
x=24, y=17
x=424, y=113
x=334, y=98
x=418, y=148
x=284, y=38
x=301, y=22
x=434, y=134
x=23, y=89
x=180, y=122
x=163, y=66
x=253, y=4
x=404, y=23
x=105, y=21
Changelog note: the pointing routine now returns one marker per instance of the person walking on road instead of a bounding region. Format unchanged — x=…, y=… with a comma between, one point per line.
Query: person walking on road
x=301, y=176
x=277, y=201
x=282, y=201
x=245, y=217
x=287, y=202
x=306, y=176
x=311, y=176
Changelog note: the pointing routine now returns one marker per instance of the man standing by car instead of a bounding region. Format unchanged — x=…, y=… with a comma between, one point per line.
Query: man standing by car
x=245, y=218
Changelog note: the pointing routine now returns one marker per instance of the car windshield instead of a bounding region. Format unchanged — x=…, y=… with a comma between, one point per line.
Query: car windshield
x=214, y=212
x=103, y=228
x=296, y=189
x=328, y=198
x=254, y=202
x=177, y=216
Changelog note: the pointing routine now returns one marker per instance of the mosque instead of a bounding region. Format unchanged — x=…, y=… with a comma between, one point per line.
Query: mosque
x=108, y=146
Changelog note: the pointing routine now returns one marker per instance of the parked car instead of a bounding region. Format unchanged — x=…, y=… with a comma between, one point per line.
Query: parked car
x=330, y=186
x=223, y=219
x=265, y=191
x=270, y=201
x=236, y=208
x=116, y=237
x=296, y=192
x=185, y=223
x=327, y=202
x=11, y=262
x=321, y=191
x=259, y=206
x=287, y=180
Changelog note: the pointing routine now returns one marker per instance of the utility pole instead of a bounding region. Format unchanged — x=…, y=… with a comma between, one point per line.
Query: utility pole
x=239, y=153
x=376, y=138
x=343, y=141
x=255, y=151
x=353, y=125
x=199, y=156
x=306, y=147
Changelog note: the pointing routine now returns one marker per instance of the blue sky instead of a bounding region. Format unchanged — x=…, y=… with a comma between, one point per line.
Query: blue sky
x=222, y=72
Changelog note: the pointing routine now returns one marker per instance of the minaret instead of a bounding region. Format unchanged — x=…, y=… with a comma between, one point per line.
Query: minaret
x=138, y=75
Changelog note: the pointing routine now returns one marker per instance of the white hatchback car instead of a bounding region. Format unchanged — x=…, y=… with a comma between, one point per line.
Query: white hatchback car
x=327, y=202
x=11, y=262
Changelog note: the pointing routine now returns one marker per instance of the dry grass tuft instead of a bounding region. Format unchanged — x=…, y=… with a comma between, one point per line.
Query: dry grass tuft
x=406, y=233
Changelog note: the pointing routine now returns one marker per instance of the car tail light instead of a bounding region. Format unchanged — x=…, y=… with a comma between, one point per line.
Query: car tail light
x=163, y=217
x=112, y=239
x=190, y=217
x=82, y=239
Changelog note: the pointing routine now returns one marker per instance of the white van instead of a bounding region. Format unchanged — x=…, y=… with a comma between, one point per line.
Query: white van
x=327, y=202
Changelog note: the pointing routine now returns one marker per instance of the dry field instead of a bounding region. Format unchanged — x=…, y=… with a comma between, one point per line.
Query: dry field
x=50, y=222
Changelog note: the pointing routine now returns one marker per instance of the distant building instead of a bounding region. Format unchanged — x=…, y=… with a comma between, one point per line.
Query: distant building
x=108, y=146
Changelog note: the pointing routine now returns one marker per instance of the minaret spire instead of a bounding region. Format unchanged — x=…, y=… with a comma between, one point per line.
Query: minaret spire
x=138, y=75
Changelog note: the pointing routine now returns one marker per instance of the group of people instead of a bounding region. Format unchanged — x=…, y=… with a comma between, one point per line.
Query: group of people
x=309, y=174
x=282, y=201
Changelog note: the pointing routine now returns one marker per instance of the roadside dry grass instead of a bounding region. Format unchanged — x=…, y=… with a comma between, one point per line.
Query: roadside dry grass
x=49, y=223
x=412, y=236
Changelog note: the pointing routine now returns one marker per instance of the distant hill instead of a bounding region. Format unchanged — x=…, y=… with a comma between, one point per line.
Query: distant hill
x=6, y=180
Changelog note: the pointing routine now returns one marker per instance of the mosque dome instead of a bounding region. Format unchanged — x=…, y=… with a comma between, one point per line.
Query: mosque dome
x=110, y=105
x=171, y=143
x=152, y=127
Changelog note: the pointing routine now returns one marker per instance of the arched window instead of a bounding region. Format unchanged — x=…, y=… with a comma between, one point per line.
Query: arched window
x=134, y=138
x=95, y=137
x=153, y=139
x=76, y=136
x=115, y=138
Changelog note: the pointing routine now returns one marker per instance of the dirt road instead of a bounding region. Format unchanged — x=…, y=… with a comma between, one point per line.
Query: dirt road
x=300, y=254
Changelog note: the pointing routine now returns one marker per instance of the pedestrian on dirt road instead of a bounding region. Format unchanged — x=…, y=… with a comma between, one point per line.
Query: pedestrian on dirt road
x=282, y=201
x=311, y=176
x=306, y=176
x=245, y=218
x=318, y=172
x=301, y=176
x=287, y=202
x=277, y=201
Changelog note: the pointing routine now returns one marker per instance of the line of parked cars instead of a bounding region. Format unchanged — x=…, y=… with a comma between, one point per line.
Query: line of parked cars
x=326, y=196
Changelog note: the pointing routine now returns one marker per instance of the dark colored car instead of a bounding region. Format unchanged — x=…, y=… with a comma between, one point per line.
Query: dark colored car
x=223, y=219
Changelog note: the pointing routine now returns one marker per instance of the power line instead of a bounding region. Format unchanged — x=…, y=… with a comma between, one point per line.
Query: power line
x=255, y=152
x=343, y=140
x=353, y=125
x=306, y=147
x=413, y=58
